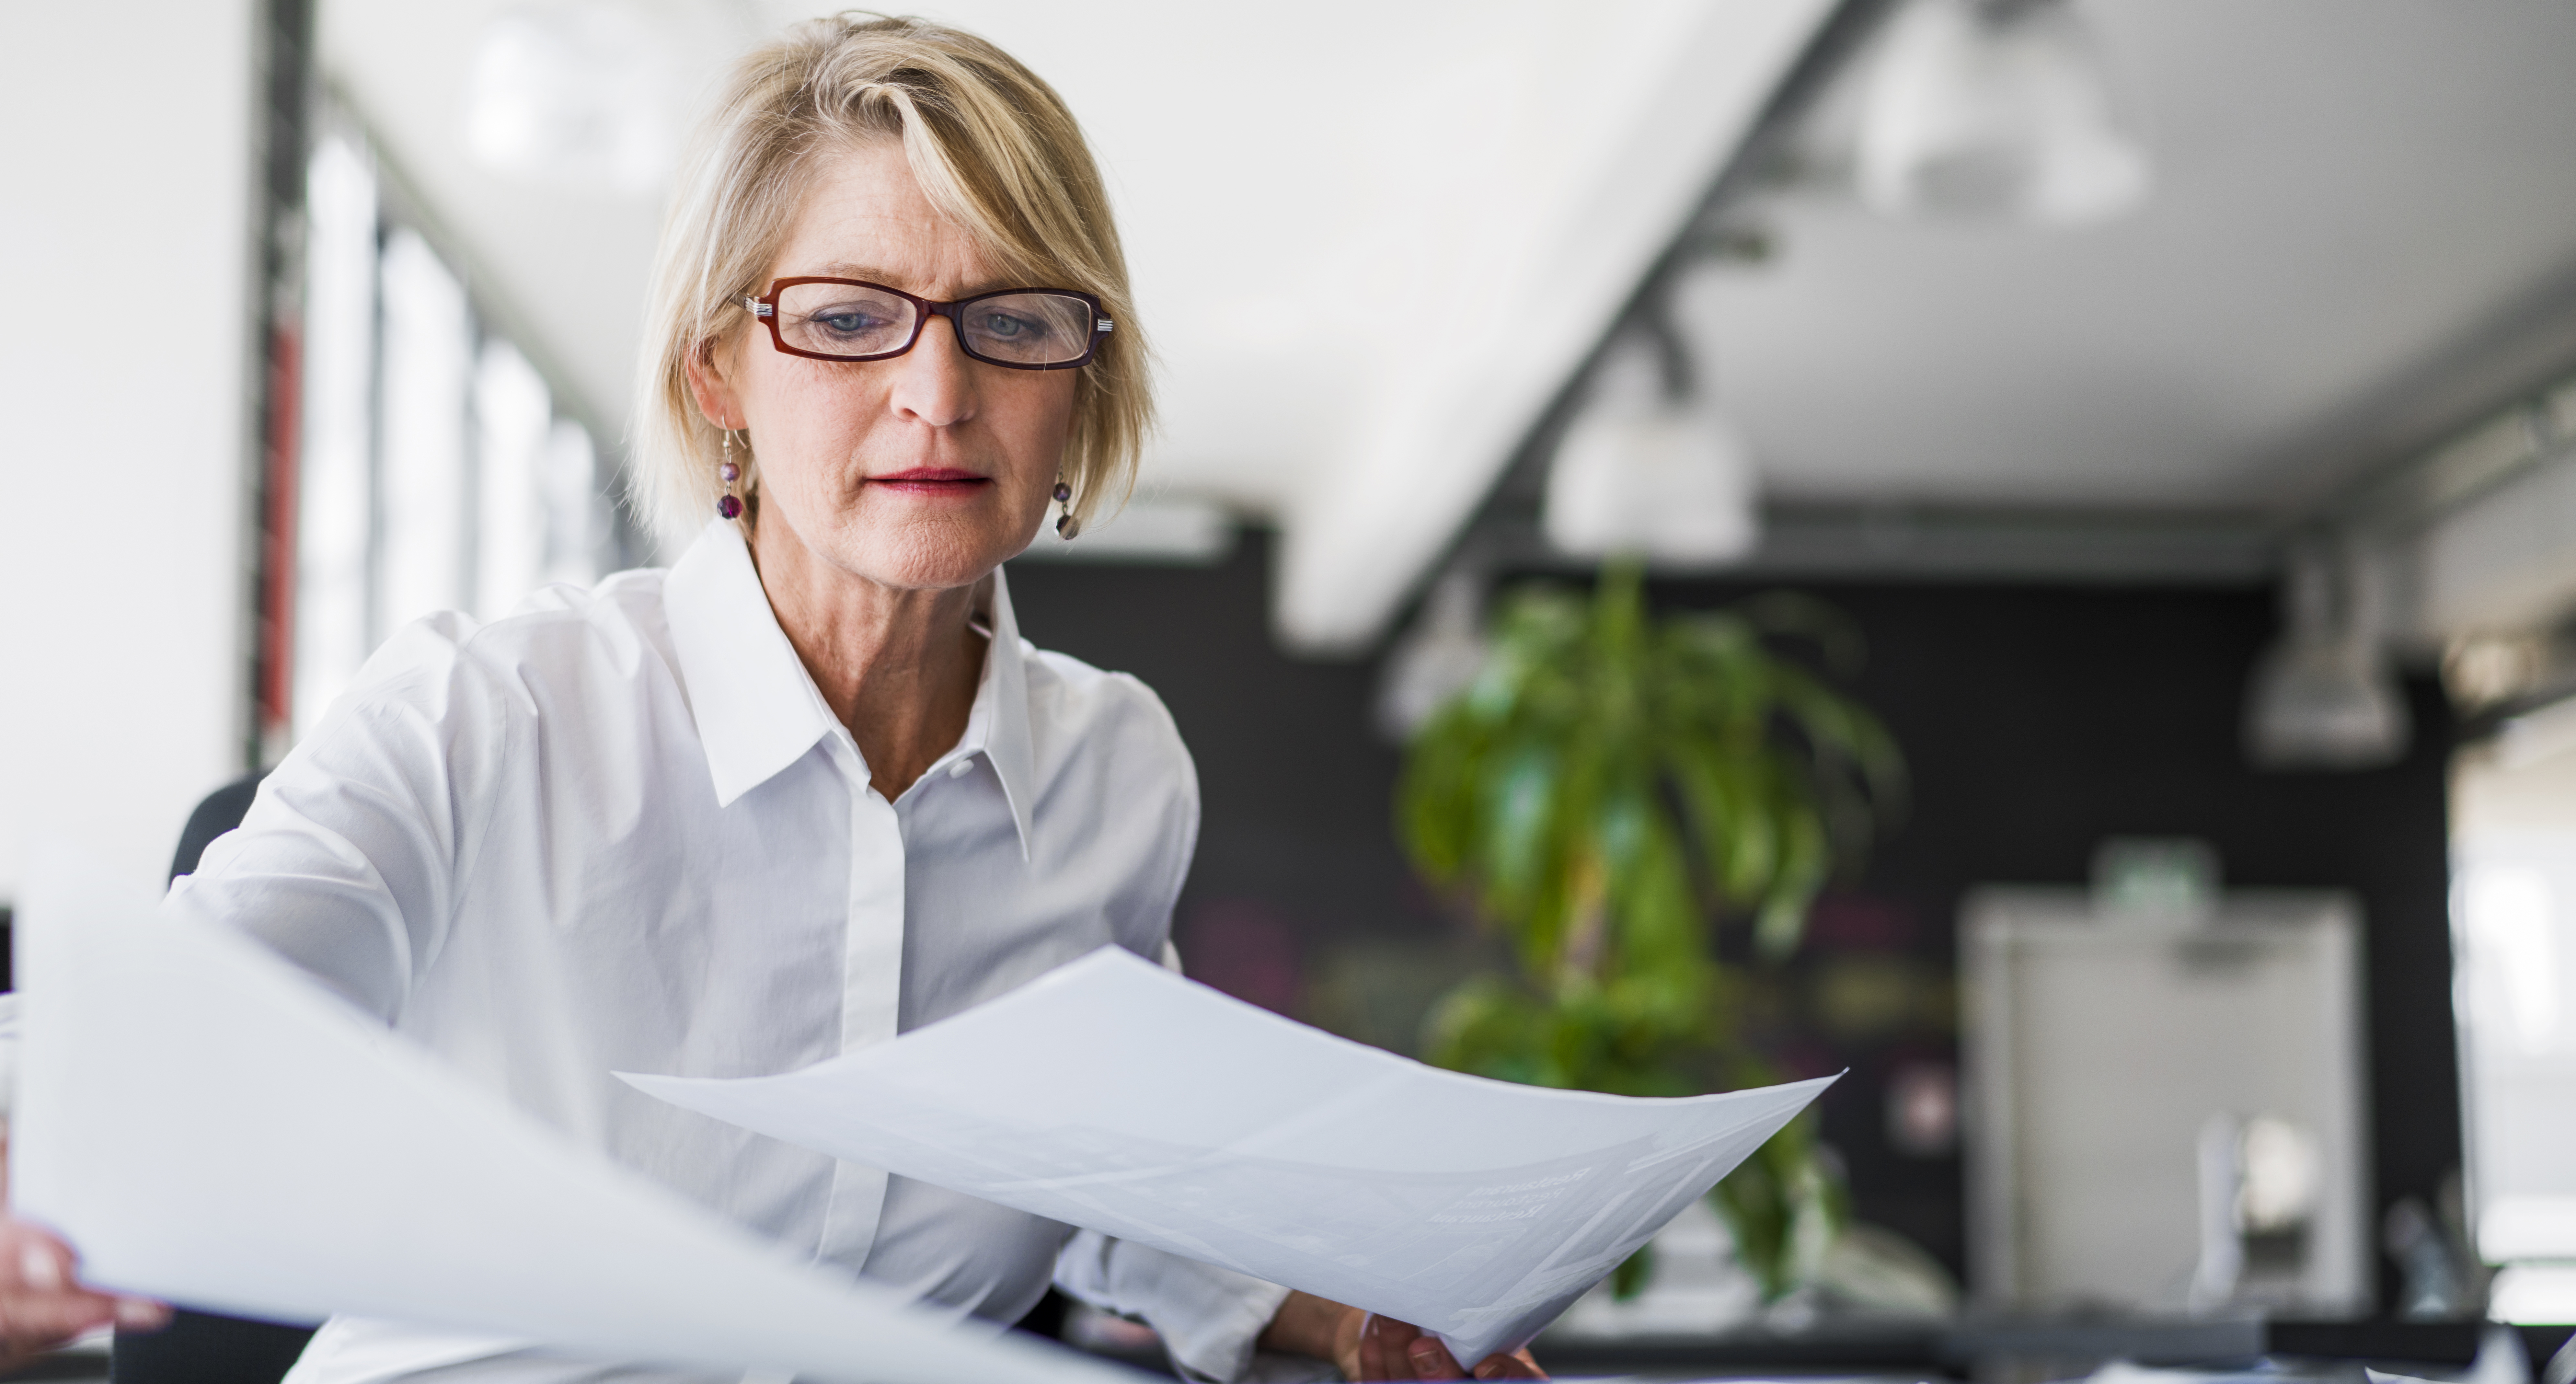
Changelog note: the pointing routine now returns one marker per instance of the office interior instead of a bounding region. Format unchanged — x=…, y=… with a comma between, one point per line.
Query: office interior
x=2172, y=406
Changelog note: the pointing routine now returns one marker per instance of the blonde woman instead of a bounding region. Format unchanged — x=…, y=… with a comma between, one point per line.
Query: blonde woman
x=807, y=788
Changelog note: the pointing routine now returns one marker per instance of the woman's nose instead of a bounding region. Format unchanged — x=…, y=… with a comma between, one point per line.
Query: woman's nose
x=935, y=380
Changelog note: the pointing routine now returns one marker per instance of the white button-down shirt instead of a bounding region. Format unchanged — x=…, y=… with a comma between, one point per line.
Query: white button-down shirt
x=622, y=830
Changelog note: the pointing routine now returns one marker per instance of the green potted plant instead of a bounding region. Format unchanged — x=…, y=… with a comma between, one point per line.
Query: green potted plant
x=1611, y=789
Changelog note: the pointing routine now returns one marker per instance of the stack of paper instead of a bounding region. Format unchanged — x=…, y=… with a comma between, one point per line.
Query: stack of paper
x=1115, y=1095
x=206, y=1125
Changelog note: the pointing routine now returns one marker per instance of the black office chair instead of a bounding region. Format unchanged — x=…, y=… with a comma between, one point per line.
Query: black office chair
x=205, y=1348
x=201, y=1347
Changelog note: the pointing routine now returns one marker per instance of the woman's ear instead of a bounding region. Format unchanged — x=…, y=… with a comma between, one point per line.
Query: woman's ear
x=710, y=387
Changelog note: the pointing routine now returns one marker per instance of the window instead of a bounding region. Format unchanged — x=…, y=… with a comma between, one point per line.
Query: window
x=2513, y=918
x=439, y=470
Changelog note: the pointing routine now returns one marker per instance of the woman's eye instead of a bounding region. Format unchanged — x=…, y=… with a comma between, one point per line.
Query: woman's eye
x=1006, y=327
x=848, y=323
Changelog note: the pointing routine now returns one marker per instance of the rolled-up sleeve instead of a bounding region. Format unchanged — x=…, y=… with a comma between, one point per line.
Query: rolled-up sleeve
x=1209, y=1318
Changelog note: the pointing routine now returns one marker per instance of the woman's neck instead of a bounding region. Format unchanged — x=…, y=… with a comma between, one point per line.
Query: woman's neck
x=898, y=667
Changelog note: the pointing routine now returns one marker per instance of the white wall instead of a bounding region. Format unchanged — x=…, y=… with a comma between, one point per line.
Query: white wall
x=127, y=182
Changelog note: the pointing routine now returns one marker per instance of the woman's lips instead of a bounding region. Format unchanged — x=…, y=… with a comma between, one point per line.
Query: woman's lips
x=932, y=480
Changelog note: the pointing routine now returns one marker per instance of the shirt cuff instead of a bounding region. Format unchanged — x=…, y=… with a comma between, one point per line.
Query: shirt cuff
x=1209, y=1317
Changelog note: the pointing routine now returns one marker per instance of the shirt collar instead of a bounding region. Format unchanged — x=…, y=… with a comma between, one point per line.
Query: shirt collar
x=757, y=709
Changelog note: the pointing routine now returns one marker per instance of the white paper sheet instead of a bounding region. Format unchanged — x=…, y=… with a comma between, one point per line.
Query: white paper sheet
x=1113, y=1094
x=206, y=1125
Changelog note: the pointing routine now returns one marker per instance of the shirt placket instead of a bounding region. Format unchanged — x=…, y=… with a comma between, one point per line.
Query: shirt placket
x=871, y=989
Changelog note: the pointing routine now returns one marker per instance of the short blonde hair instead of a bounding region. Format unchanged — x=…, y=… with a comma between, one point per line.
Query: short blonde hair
x=994, y=149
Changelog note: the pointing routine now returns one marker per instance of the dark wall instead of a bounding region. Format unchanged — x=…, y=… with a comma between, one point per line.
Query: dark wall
x=2036, y=721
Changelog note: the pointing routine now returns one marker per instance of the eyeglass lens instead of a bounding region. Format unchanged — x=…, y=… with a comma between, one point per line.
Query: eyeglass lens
x=1007, y=329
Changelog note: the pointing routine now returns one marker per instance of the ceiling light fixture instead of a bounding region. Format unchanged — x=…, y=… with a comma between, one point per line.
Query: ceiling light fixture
x=572, y=95
x=1997, y=108
x=1436, y=659
x=2324, y=696
x=1652, y=468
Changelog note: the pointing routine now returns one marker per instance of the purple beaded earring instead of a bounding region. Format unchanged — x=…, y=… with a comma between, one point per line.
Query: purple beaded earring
x=729, y=507
x=1066, y=526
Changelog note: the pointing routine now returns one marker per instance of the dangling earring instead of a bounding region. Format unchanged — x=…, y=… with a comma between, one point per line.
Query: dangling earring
x=729, y=507
x=1066, y=526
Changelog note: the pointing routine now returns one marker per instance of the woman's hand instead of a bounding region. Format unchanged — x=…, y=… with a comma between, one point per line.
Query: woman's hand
x=42, y=1302
x=1378, y=1348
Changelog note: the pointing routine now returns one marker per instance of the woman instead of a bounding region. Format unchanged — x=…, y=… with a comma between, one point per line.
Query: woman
x=807, y=789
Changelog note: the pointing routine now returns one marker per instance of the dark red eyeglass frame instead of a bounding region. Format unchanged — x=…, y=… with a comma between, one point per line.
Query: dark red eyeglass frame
x=765, y=307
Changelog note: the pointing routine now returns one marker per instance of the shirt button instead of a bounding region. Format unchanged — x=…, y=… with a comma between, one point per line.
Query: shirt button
x=960, y=768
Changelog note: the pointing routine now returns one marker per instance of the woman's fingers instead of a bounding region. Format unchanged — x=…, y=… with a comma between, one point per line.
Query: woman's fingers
x=1400, y=1351
x=42, y=1303
x=1376, y=1361
x=1385, y=1349
x=1432, y=1360
x=141, y=1314
x=1517, y=1365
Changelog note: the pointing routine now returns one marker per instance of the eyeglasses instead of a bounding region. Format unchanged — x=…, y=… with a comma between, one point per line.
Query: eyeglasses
x=850, y=319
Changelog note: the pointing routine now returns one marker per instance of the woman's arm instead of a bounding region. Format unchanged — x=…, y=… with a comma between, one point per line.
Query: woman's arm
x=345, y=869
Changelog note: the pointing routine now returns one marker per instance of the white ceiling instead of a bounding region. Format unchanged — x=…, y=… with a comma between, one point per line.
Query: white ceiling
x=1371, y=239
x=1368, y=239
x=2363, y=231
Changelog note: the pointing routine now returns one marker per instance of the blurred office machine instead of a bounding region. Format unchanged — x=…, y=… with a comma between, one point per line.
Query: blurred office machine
x=2513, y=921
x=2165, y=1101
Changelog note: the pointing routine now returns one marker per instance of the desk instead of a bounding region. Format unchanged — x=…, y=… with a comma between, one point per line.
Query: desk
x=2004, y=1348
